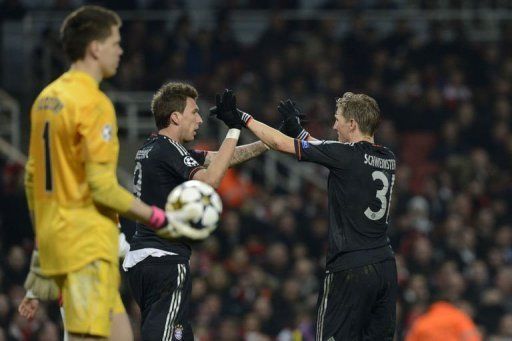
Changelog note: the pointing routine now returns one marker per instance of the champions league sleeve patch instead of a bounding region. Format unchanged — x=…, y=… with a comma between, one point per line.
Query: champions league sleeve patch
x=189, y=161
x=305, y=144
x=106, y=132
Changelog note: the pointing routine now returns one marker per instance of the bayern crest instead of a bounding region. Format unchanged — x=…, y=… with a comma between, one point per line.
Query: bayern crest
x=178, y=332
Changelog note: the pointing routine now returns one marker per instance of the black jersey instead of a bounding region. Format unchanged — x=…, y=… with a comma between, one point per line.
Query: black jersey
x=359, y=186
x=160, y=165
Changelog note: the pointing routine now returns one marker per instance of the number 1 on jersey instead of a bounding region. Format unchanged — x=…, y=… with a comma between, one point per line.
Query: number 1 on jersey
x=381, y=195
x=47, y=157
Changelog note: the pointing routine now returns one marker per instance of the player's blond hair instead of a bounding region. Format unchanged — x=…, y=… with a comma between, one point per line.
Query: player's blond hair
x=361, y=108
x=84, y=25
x=169, y=98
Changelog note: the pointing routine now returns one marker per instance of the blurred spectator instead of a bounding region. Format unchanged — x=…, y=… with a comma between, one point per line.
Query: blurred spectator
x=505, y=329
x=444, y=321
x=16, y=227
x=16, y=267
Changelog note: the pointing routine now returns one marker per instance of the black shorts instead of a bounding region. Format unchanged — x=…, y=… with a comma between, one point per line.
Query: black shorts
x=161, y=286
x=358, y=303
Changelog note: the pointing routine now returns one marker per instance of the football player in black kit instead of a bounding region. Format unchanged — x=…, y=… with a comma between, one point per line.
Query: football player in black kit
x=357, y=301
x=157, y=265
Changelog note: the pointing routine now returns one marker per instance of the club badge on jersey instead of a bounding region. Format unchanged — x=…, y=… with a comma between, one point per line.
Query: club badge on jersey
x=178, y=332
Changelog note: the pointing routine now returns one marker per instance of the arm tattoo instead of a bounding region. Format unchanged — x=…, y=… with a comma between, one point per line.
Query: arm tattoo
x=242, y=153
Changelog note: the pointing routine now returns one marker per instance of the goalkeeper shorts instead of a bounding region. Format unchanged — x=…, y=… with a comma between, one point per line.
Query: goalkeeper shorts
x=90, y=297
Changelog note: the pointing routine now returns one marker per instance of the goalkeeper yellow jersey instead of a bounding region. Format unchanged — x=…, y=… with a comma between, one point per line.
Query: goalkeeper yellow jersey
x=72, y=122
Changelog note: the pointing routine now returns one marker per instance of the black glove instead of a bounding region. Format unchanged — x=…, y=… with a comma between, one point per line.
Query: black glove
x=225, y=110
x=292, y=118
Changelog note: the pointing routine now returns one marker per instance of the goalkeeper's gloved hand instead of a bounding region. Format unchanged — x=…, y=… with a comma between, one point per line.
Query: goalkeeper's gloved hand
x=228, y=102
x=292, y=117
x=38, y=285
x=174, y=224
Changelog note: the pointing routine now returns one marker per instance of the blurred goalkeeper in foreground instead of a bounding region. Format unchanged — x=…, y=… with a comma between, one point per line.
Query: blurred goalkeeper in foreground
x=72, y=190
x=120, y=329
x=358, y=298
x=158, y=263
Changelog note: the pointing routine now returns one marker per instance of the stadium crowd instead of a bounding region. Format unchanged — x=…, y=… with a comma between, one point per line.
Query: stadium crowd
x=446, y=101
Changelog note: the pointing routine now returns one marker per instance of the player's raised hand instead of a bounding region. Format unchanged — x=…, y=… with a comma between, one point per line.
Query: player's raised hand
x=225, y=110
x=292, y=118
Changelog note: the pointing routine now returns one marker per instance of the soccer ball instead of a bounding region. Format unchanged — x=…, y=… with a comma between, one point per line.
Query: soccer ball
x=200, y=198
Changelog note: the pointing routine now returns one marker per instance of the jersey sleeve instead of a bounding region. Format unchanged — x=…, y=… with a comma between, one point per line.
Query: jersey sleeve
x=198, y=155
x=98, y=129
x=179, y=161
x=331, y=154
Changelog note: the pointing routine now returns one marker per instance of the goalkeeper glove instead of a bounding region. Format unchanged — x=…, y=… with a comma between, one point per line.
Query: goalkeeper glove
x=292, y=118
x=179, y=229
x=174, y=224
x=38, y=285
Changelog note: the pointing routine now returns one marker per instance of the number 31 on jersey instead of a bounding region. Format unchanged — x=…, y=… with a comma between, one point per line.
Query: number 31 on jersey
x=382, y=195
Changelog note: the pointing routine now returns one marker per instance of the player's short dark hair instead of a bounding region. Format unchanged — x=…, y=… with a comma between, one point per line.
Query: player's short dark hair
x=361, y=108
x=86, y=24
x=169, y=98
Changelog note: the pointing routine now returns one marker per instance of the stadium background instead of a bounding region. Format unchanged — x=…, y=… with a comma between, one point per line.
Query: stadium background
x=441, y=72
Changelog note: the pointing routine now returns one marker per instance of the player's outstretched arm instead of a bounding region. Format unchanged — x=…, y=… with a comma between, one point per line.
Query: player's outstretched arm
x=242, y=153
x=106, y=191
x=216, y=170
x=226, y=112
x=273, y=138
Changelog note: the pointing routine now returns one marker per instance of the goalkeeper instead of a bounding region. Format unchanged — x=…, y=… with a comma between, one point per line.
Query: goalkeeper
x=120, y=328
x=72, y=191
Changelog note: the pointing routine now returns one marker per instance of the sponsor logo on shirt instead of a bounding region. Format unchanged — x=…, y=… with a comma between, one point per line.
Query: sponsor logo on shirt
x=190, y=161
x=305, y=144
